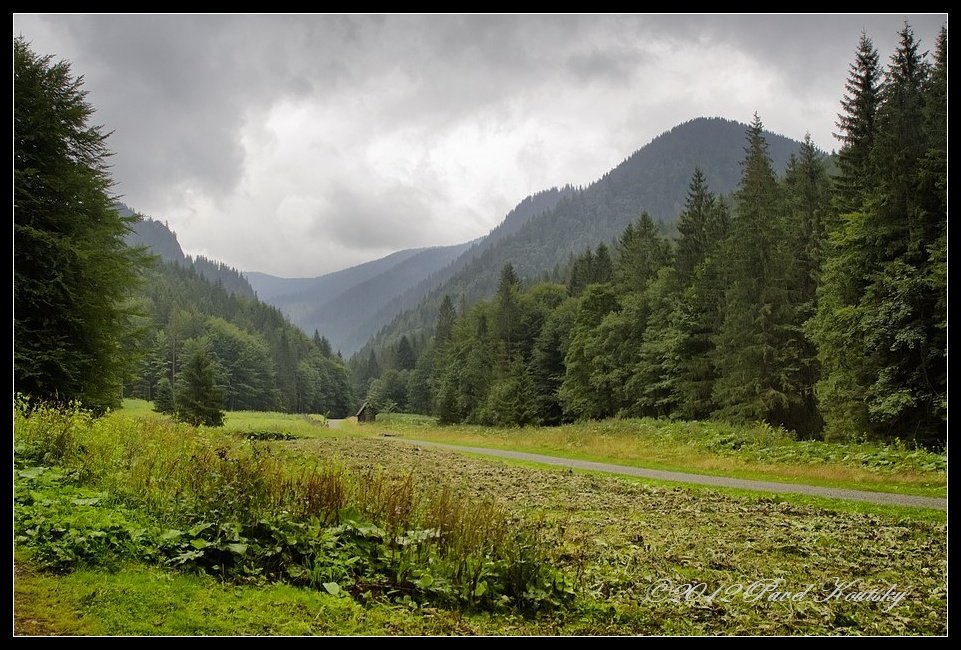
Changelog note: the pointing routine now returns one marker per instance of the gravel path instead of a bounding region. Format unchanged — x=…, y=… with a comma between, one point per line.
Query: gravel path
x=881, y=498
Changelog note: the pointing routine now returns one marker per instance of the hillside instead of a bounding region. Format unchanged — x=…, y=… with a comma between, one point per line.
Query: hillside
x=352, y=305
x=654, y=179
x=342, y=304
x=161, y=241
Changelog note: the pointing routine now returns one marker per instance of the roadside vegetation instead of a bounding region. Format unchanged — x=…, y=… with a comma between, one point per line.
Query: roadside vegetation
x=136, y=524
x=756, y=451
x=100, y=492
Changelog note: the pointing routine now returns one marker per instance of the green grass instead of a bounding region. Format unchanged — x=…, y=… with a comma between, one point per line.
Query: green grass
x=622, y=536
x=145, y=488
x=297, y=425
x=931, y=515
x=614, y=537
x=748, y=452
x=138, y=600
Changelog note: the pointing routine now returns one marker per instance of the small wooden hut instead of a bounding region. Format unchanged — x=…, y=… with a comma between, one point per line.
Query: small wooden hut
x=367, y=412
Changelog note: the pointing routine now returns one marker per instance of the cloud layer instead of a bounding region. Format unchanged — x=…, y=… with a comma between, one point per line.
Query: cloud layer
x=297, y=145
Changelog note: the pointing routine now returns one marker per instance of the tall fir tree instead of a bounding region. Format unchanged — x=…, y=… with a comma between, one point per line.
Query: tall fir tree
x=857, y=127
x=698, y=313
x=641, y=252
x=164, y=402
x=508, y=309
x=807, y=196
x=701, y=226
x=199, y=399
x=877, y=324
x=404, y=358
x=72, y=268
x=579, y=391
x=757, y=349
x=446, y=319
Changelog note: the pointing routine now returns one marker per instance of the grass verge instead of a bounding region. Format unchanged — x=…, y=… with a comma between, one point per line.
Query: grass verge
x=719, y=449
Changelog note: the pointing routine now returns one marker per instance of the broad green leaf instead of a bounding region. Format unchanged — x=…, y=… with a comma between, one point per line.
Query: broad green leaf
x=333, y=588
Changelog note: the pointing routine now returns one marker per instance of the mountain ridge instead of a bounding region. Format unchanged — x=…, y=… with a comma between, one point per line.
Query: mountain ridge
x=655, y=179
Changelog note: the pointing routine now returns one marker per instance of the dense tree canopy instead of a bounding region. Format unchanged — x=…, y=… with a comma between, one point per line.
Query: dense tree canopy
x=809, y=302
x=72, y=269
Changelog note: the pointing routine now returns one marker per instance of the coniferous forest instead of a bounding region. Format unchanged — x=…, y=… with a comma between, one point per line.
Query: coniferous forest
x=814, y=301
x=97, y=318
x=705, y=394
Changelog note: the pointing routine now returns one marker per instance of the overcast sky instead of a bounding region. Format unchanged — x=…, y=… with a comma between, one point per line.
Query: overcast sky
x=298, y=145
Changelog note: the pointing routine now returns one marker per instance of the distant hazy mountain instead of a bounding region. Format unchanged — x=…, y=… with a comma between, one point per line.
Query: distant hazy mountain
x=654, y=179
x=352, y=305
x=162, y=241
x=342, y=304
x=295, y=290
x=154, y=235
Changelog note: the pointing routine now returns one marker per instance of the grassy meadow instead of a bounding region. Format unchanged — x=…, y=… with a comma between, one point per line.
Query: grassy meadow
x=751, y=452
x=280, y=525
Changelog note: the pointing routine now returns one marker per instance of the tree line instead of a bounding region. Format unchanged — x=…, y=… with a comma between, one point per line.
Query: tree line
x=814, y=301
x=253, y=357
x=96, y=320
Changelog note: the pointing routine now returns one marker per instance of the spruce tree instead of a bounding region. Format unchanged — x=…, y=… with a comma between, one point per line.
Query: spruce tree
x=701, y=226
x=508, y=309
x=698, y=311
x=72, y=269
x=404, y=358
x=807, y=195
x=164, y=402
x=878, y=325
x=857, y=127
x=579, y=392
x=446, y=319
x=547, y=362
x=641, y=252
x=756, y=350
x=199, y=399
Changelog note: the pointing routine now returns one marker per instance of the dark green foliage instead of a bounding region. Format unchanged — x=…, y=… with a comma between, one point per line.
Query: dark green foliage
x=229, y=278
x=701, y=227
x=446, y=319
x=420, y=391
x=507, y=314
x=72, y=269
x=590, y=268
x=880, y=319
x=757, y=352
x=199, y=399
x=248, y=368
x=510, y=401
x=794, y=308
x=580, y=393
x=164, y=402
x=570, y=221
x=268, y=364
x=641, y=251
x=159, y=240
x=807, y=193
x=654, y=387
x=322, y=344
x=389, y=391
x=857, y=127
x=404, y=358
x=547, y=362
x=698, y=314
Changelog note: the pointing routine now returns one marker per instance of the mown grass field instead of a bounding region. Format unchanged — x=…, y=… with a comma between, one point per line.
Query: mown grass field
x=96, y=553
x=750, y=452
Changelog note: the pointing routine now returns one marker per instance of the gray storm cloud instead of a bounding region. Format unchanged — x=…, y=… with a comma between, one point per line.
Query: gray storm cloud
x=265, y=139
